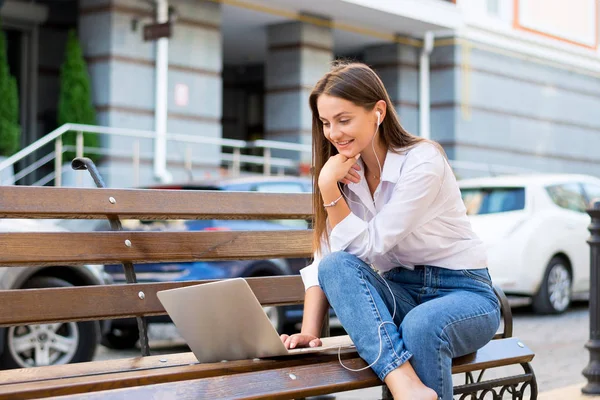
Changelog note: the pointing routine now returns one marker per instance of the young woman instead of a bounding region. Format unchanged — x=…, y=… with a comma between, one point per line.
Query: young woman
x=395, y=257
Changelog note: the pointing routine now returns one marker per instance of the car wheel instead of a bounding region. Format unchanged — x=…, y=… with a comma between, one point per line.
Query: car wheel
x=49, y=344
x=554, y=296
x=121, y=339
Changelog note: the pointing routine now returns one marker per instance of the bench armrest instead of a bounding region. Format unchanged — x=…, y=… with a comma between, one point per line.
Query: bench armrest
x=506, y=313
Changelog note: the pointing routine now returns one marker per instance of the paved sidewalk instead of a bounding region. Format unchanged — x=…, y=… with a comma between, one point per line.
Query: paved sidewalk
x=572, y=392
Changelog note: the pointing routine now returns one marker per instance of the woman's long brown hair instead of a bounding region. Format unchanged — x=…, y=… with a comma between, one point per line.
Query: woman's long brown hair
x=358, y=83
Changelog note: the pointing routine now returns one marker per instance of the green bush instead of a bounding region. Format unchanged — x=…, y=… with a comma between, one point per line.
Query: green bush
x=10, y=131
x=75, y=98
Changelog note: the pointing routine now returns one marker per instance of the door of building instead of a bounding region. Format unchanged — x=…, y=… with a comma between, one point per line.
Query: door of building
x=20, y=23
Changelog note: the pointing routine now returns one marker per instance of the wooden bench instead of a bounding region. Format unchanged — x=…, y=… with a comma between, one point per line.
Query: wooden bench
x=180, y=376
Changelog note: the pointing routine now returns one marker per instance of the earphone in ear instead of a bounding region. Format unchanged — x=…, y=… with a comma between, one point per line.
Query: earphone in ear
x=378, y=118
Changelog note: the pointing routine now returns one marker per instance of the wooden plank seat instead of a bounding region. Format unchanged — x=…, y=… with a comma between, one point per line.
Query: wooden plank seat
x=132, y=373
x=180, y=375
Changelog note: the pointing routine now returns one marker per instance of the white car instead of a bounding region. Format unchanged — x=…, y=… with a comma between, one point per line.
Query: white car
x=48, y=344
x=535, y=228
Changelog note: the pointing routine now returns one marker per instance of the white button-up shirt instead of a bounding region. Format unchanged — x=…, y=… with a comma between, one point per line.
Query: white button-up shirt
x=415, y=217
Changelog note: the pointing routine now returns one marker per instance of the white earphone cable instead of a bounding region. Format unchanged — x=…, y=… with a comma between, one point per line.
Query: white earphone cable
x=378, y=331
x=384, y=280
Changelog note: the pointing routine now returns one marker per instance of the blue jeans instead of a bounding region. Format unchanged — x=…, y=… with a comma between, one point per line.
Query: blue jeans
x=440, y=314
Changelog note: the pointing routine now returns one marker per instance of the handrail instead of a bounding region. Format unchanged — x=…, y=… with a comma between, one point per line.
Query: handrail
x=34, y=146
x=235, y=158
x=272, y=144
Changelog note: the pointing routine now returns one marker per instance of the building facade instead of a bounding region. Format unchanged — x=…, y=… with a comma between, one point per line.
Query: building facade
x=510, y=83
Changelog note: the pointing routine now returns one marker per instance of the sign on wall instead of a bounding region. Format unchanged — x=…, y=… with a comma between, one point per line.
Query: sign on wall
x=156, y=31
x=182, y=95
x=573, y=21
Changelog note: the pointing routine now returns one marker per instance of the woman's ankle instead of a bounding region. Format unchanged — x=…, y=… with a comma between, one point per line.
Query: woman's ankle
x=399, y=381
x=403, y=381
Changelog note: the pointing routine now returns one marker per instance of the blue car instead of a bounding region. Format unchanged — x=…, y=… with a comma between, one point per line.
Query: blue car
x=124, y=333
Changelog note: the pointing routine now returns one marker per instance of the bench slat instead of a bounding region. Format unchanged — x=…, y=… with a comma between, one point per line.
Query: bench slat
x=120, y=301
x=68, y=203
x=103, y=375
x=84, y=382
x=496, y=353
x=73, y=248
x=47, y=373
x=309, y=380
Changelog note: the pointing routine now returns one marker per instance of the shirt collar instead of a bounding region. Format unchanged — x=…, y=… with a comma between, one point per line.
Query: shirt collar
x=391, y=170
x=391, y=167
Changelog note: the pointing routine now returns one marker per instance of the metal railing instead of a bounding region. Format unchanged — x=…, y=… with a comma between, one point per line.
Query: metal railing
x=234, y=157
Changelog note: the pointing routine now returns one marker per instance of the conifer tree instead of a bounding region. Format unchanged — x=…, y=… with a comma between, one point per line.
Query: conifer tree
x=75, y=98
x=10, y=131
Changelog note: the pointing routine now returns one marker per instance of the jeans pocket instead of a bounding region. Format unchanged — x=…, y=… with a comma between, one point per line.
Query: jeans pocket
x=481, y=275
x=390, y=274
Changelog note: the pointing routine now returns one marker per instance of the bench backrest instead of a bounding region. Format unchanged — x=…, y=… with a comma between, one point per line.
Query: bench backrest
x=28, y=249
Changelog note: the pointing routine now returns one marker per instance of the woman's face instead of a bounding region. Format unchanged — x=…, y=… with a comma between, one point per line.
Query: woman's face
x=350, y=128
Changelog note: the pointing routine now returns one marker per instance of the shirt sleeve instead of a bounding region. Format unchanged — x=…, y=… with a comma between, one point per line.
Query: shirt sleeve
x=310, y=273
x=408, y=207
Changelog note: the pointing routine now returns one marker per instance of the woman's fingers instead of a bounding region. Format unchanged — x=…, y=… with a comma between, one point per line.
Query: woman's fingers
x=354, y=174
x=289, y=340
x=300, y=340
x=297, y=340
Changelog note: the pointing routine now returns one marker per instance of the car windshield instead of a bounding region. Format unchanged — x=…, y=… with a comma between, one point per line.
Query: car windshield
x=490, y=200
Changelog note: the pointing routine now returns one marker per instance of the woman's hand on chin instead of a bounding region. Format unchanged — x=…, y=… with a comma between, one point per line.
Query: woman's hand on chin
x=337, y=168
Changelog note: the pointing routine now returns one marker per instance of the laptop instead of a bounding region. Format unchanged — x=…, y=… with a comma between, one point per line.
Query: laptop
x=224, y=321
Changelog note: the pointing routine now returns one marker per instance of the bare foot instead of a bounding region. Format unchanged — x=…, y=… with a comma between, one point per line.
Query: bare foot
x=415, y=391
x=404, y=386
x=419, y=392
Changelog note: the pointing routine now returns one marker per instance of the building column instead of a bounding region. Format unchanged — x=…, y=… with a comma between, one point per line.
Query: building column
x=122, y=69
x=397, y=64
x=299, y=53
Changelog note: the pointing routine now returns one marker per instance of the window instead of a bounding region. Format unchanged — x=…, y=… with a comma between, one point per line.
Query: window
x=493, y=200
x=568, y=196
x=592, y=193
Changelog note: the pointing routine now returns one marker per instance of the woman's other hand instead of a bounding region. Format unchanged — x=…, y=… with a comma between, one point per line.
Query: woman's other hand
x=300, y=340
x=352, y=175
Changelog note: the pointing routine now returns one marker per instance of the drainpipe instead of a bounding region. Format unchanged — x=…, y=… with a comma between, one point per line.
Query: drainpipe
x=161, y=99
x=424, y=85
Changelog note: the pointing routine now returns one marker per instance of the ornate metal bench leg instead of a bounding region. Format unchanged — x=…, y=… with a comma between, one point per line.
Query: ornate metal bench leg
x=533, y=383
x=84, y=163
x=506, y=387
